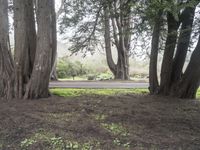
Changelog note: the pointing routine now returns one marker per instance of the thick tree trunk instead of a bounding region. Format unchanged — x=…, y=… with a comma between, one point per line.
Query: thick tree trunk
x=170, y=45
x=189, y=84
x=122, y=71
x=25, y=44
x=183, y=43
x=123, y=24
x=107, y=38
x=39, y=82
x=153, y=78
x=6, y=61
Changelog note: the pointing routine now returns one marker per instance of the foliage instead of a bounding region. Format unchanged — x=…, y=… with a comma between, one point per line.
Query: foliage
x=67, y=68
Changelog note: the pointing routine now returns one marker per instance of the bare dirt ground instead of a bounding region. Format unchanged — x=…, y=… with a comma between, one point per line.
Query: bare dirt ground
x=100, y=122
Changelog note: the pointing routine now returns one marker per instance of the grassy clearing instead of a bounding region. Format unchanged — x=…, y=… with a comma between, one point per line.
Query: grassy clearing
x=105, y=92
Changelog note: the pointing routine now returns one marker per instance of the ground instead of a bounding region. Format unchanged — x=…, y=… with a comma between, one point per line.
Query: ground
x=100, y=121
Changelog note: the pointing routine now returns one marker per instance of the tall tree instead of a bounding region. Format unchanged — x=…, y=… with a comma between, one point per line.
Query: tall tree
x=174, y=81
x=6, y=61
x=25, y=44
x=106, y=16
x=153, y=76
x=45, y=51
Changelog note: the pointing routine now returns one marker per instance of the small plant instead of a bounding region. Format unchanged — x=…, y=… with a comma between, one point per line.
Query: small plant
x=120, y=143
x=100, y=117
x=26, y=143
x=116, y=129
x=57, y=143
x=72, y=145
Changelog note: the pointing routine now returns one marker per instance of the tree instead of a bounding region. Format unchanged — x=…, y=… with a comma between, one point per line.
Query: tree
x=119, y=13
x=6, y=61
x=106, y=16
x=38, y=84
x=25, y=44
x=173, y=81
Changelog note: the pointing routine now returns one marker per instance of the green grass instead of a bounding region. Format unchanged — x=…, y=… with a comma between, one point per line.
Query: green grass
x=56, y=143
x=198, y=93
x=105, y=92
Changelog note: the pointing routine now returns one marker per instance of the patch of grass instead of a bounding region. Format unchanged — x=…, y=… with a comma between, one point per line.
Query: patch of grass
x=116, y=129
x=118, y=142
x=198, y=93
x=56, y=143
x=106, y=92
x=99, y=117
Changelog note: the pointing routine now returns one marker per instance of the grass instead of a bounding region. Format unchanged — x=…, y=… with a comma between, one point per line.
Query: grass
x=105, y=92
x=56, y=143
x=70, y=92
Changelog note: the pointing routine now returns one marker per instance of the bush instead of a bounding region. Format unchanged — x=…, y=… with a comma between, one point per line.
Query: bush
x=66, y=68
x=91, y=77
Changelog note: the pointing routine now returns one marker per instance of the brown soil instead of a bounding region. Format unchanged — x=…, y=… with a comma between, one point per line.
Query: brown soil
x=150, y=122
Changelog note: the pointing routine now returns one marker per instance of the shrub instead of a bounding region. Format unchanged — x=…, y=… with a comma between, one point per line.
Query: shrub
x=66, y=68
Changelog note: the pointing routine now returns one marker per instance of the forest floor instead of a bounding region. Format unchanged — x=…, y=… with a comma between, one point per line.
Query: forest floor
x=118, y=122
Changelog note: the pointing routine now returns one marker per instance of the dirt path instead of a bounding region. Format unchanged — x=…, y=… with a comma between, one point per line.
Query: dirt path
x=100, y=122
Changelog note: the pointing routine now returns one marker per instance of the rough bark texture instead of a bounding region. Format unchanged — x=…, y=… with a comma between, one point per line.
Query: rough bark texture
x=6, y=61
x=25, y=44
x=189, y=84
x=153, y=78
x=39, y=82
x=170, y=45
x=183, y=43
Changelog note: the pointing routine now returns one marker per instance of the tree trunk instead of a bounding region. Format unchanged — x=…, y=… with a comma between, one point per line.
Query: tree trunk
x=183, y=43
x=107, y=38
x=39, y=82
x=189, y=84
x=53, y=75
x=6, y=61
x=123, y=46
x=25, y=44
x=54, y=35
x=168, y=55
x=153, y=78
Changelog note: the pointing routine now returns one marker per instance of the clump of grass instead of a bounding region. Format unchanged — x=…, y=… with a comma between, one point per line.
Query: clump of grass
x=116, y=129
x=99, y=117
x=118, y=142
x=106, y=92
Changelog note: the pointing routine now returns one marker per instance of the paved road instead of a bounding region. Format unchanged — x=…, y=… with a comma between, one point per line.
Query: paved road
x=97, y=84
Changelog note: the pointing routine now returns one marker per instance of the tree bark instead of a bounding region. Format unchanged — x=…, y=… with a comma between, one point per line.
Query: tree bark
x=25, y=44
x=6, y=61
x=107, y=38
x=183, y=43
x=153, y=78
x=54, y=36
x=189, y=84
x=39, y=82
x=170, y=45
